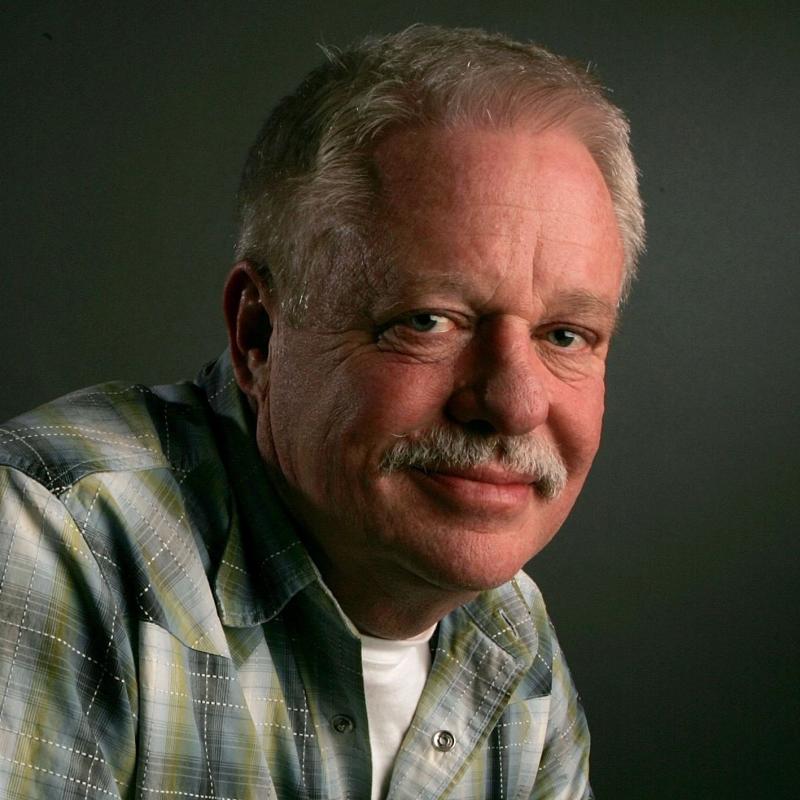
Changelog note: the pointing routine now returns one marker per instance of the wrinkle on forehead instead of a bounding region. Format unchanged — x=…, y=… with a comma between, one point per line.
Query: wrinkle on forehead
x=392, y=288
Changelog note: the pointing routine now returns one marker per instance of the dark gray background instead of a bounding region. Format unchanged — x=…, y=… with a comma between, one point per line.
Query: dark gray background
x=672, y=585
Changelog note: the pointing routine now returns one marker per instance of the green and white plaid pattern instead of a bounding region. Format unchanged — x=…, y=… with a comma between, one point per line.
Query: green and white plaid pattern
x=164, y=634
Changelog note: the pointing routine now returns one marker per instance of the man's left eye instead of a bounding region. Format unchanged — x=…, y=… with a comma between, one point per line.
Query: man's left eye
x=429, y=323
x=566, y=338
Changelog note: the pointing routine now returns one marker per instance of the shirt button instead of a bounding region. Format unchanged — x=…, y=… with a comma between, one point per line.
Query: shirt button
x=443, y=740
x=342, y=723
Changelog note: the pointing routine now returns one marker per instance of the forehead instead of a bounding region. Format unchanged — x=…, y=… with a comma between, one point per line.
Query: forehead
x=549, y=171
x=454, y=201
x=506, y=220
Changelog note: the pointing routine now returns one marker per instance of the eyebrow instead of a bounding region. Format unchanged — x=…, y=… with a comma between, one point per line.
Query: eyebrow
x=576, y=301
x=394, y=292
x=585, y=302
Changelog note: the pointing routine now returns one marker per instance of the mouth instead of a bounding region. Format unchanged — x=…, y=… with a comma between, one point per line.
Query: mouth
x=482, y=489
x=493, y=474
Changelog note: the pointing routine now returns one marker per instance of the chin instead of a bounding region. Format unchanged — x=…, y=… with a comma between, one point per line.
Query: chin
x=471, y=563
x=469, y=579
x=463, y=546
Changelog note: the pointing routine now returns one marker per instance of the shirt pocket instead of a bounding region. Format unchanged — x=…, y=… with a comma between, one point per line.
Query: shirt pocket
x=196, y=736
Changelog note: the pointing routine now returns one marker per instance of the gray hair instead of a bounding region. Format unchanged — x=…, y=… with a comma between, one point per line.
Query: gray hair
x=310, y=187
x=442, y=447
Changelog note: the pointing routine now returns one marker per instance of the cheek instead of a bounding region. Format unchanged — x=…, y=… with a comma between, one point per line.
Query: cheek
x=383, y=399
x=337, y=427
x=576, y=418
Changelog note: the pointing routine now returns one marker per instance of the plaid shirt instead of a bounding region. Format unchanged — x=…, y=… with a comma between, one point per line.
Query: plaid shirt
x=164, y=634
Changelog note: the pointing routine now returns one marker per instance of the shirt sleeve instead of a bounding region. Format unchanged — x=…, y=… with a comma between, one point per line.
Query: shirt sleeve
x=67, y=680
x=564, y=767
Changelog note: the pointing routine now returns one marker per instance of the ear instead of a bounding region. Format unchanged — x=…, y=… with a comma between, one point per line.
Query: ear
x=249, y=308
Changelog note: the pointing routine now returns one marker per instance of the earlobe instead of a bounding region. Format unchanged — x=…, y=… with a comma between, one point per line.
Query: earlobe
x=248, y=307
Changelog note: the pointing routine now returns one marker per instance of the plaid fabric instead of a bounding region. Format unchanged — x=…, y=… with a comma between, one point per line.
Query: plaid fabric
x=163, y=633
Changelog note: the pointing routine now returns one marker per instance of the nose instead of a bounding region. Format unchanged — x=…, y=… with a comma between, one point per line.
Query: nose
x=501, y=382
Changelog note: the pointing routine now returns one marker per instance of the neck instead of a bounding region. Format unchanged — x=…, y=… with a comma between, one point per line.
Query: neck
x=389, y=608
x=387, y=620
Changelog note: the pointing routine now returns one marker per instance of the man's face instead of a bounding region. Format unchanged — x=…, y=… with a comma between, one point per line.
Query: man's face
x=492, y=316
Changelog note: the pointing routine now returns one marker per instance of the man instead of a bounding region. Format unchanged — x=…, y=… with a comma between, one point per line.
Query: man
x=299, y=576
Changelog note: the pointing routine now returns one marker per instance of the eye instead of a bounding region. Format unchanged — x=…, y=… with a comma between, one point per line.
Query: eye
x=425, y=322
x=418, y=331
x=565, y=338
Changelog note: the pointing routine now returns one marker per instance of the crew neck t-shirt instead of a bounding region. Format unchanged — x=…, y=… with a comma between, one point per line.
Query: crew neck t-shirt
x=394, y=672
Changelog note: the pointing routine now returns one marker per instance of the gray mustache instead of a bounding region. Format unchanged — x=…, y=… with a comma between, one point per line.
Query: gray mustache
x=446, y=447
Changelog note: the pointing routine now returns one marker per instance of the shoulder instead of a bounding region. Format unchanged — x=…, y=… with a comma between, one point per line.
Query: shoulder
x=120, y=491
x=109, y=427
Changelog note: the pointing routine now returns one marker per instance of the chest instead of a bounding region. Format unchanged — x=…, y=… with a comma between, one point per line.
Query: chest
x=286, y=717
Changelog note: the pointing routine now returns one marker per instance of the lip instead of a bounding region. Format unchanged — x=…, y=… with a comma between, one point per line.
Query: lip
x=486, y=473
x=485, y=489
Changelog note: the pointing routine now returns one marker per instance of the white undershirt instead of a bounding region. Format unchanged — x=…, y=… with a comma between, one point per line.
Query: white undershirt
x=394, y=676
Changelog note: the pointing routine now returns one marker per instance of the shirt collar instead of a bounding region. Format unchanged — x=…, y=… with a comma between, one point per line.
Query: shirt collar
x=264, y=563
x=506, y=617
